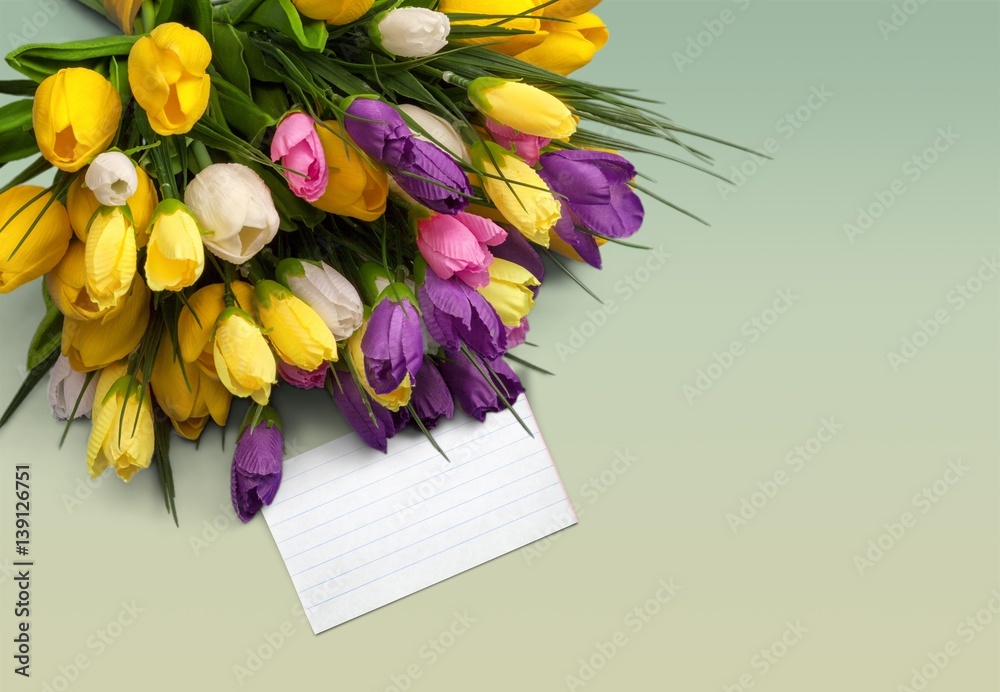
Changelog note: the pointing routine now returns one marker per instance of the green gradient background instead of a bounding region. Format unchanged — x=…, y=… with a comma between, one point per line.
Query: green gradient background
x=538, y=614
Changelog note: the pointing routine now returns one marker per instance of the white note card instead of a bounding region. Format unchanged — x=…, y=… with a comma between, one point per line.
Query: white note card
x=358, y=529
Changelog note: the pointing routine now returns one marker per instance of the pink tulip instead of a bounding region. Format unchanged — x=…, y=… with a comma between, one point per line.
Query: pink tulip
x=457, y=246
x=303, y=379
x=528, y=147
x=297, y=144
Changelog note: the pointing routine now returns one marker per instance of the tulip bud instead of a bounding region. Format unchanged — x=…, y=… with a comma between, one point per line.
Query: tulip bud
x=196, y=323
x=122, y=435
x=166, y=71
x=357, y=187
x=175, y=257
x=300, y=150
x=75, y=117
x=42, y=248
x=256, y=473
x=110, y=258
x=567, y=9
x=326, y=291
x=66, y=391
x=520, y=15
x=439, y=131
x=570, y=45
x=243, y=360
x=395, y=400
x=457, y=245
x=297, y=333
x=112, y=178
x=67, y=286
x=518, y=192
x=94, y=344
x=523, y=107
x=336, y=12
x=189, y=397
x=410, y=32
x=234, y=206
x=509, y=291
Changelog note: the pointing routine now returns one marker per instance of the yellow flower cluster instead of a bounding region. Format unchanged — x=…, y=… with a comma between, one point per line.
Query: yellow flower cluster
x=564, y=36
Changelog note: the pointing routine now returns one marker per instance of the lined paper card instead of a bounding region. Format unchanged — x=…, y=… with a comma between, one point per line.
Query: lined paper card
x=358, y=529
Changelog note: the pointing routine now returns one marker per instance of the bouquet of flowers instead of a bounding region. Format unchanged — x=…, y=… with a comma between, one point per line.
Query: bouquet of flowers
x=353, y=195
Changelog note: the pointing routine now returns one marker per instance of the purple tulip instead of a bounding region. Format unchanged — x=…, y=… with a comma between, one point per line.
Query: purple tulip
x=473, y=392
x=455, y=314
x=378, y=130
x=596, y=187
x=393, y=345
x=424, y=171
x=584, y=244
x=518, y=250
x=432, y=177
x=256, y=472
x=431, y=399
x=354, y=406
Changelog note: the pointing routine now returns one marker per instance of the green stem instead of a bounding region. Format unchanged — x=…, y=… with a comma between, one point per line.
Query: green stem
x=148, y=16
x=201, y=155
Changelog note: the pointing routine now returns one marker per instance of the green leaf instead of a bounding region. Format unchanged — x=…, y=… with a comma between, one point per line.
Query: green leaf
x=33, y=378
x=48, y=336
x=281, y=15
x=40, y=60
x=16, y=138
x=18, y=87
x=227, y=56
x=118, y=76
x=242, y=114
x=161, y=459
x=237, y=11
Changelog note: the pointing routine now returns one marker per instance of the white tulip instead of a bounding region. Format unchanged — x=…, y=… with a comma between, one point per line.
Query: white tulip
x=440, y=131
x=65, y=385
x=112, y=178
x=333, y=297
x=235, y=208
x=411, y=32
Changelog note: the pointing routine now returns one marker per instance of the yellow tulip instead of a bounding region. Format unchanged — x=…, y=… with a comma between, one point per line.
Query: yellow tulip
x=523, y=107
x=393, y=400
x=509, y=291
x=297, y=332
x=123, y=13
x=570, y=45
x=567, y=9
x=166, y=71
x=194, y=329
x=243, y=359
x=188, y=396
x=67, y=286
x=175, y=257
x=122, y=435
x=42, y=248
x=521, y=195
x=75, y=116
x=358, y=187
x=110, y=258
x=511, y=45
x=337, y=12
x=94, y=344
